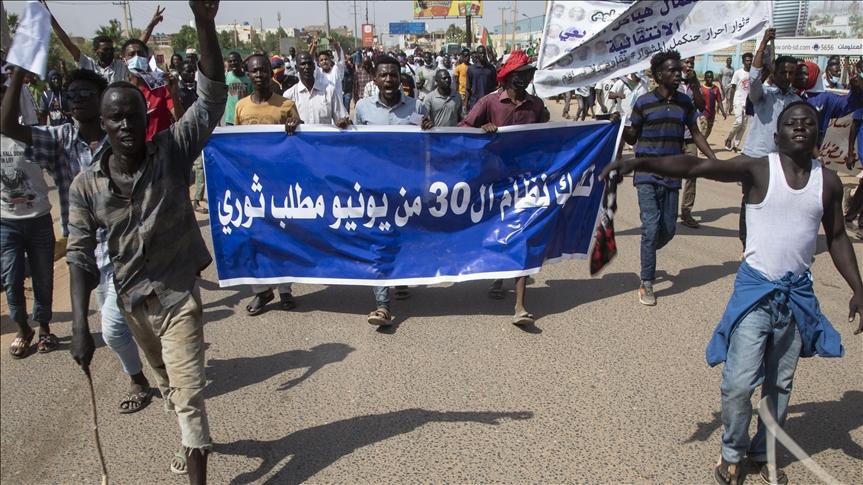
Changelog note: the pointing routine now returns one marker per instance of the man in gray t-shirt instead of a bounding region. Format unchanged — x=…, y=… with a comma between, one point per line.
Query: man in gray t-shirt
x=725, y=75
x=443, y=104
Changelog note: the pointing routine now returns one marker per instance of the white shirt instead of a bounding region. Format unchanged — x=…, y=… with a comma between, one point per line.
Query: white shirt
x=741, y=82
x=334, y=77
x=318, y=106
x=116, y=71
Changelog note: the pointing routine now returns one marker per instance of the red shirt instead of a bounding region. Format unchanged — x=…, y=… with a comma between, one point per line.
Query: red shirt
x=712, y=95
x=159, y=109
x=498, y=109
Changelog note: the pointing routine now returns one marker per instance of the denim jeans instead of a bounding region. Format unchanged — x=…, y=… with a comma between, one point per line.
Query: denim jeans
x=115, y=331
x=382, y=296
x=658, y=209
x=173, y=342
x=35, y=238
x=763, y=351
x=346, y=100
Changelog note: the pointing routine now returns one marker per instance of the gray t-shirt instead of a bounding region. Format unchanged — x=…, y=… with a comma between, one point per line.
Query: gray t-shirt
x=370, y=111
x=725, y=75
x=443, y=110
x=23, y=191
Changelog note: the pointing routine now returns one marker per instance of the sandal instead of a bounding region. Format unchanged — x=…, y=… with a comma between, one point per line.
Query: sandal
x=402, y=293
x=47, y=343
x=287, y=301
x=178, y=462
x=523, y=318
x=380, y=317
x=258, y=303
x=21, y=345
x=136, y=401
x=727, y=473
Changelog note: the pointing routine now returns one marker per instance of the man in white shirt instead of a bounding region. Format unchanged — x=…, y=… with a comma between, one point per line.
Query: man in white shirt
x=315, y=98
x=330, y=69
x=739, y=93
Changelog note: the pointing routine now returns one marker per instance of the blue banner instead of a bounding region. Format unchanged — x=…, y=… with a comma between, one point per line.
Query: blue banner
x=404, y=28
x=396, y=205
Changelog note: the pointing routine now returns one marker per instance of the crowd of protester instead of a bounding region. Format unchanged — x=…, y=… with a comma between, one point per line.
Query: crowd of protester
x=116, y=129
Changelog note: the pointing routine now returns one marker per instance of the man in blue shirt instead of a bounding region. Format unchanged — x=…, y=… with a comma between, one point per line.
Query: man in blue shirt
x=659, y=119
x=481, y=78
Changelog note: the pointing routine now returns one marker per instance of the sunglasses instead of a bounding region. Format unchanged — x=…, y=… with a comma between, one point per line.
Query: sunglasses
x=81, y=94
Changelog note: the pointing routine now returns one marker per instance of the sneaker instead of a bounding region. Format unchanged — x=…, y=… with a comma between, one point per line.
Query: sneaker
x=763, y=469
x=727, y=473
x=645, y=294
x=688, y=221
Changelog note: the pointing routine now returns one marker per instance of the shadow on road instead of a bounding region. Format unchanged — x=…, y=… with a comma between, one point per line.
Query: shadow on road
x=815, y=426
x=316, y=448
x=229, y=375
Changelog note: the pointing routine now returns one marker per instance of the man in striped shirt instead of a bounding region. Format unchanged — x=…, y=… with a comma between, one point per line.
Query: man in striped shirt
x=658, y=122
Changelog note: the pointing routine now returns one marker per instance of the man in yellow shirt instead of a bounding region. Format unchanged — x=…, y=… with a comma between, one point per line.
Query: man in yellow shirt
x=461, y=75
x=264, y=107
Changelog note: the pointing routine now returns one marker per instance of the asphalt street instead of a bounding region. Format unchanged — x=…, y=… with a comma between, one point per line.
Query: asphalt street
x=601, y=390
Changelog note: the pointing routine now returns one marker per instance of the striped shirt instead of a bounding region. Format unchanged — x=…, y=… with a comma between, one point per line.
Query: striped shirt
x=661, y=124
x=60, y=150
x=153, y=237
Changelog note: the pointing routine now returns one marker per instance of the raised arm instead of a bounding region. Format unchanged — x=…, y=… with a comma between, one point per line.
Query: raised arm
x=839, y=245
x=157, y=17
x=70, y=46
x=756, y=86
x=211, y=62
x=738, y=169
x=11, y=109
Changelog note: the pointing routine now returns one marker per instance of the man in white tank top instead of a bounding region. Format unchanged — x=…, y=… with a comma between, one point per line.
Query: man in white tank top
x=772, y=318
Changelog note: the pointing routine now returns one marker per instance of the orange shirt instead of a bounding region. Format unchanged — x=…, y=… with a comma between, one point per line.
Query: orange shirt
x=461, y=72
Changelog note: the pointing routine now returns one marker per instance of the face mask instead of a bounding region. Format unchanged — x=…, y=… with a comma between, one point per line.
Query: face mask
x=137, y=64
x=835, y=80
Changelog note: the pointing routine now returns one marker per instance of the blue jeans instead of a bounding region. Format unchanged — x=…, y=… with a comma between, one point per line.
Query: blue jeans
x=382, y=296
x=115, y=331
x=658, y=206
x=346, y=99
x=35, y=238
x=763, y=351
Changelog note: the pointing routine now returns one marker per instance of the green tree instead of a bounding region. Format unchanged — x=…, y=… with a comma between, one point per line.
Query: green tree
x=112, y=31
x=455, y=34
x=185, y=38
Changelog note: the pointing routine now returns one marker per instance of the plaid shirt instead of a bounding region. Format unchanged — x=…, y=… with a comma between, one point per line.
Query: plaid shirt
x=63, y=153
x=153, y=237
x=361, y=78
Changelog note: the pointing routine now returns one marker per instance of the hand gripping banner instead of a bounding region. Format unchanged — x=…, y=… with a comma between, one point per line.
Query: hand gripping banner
x=395, y=205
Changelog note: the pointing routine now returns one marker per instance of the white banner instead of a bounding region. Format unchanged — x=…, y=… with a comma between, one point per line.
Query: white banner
x=569, y=23
x=30, y=45
x=647, y=27
x=826, y=47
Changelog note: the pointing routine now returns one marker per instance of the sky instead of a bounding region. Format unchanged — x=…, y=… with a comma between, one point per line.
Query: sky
x=83, y=17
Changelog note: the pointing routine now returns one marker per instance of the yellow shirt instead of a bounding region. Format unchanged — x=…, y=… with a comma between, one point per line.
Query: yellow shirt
x=274, y=112
x=461, y=72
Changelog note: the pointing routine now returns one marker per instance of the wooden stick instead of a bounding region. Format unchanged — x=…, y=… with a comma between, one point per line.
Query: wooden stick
x=96, y=427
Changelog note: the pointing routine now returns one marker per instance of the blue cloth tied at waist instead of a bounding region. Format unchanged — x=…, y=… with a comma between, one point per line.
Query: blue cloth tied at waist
x=791, y=296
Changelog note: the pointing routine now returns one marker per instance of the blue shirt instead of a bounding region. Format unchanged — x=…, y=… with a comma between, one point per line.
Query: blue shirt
x=481, y=80
x=751, y=288
x=370, y=111
x=662, y=124
x=832, y=105
x=767, y=103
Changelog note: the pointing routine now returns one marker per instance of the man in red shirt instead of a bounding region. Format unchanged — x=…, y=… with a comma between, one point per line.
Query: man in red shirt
x=712, y=99
x=511, y=105
x=160, y=91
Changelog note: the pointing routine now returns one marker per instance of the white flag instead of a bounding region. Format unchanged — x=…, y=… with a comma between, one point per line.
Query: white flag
x=32, y=38
x=650, y=26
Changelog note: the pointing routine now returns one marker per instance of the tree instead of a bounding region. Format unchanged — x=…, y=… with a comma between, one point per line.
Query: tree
x=185, y=38
x=112, y=31
x=226, y=39
x=455, y=34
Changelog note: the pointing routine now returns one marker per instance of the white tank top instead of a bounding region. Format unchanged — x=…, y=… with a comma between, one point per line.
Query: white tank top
x=782, y=230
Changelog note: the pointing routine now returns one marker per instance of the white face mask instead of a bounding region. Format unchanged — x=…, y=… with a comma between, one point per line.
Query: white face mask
x=138, y=63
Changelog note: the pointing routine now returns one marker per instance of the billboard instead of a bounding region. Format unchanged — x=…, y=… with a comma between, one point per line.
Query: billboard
x=368, y=35
x=424, y=9
x=407, y=28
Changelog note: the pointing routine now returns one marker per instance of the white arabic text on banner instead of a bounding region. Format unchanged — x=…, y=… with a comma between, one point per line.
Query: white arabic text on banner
x=365, y=206
x=32, y=38
x=648, y=27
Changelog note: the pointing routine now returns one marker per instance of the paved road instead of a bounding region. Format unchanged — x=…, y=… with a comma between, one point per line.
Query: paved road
x=603, y=390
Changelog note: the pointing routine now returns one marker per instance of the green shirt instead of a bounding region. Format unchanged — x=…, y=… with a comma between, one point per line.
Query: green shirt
x=238, y=88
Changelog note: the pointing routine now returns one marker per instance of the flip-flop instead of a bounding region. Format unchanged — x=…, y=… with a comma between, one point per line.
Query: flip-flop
x=380, y=317
x=523, y=318
x=139, y=400
x=258, y=303
x=21, y=345
x=47, y=343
